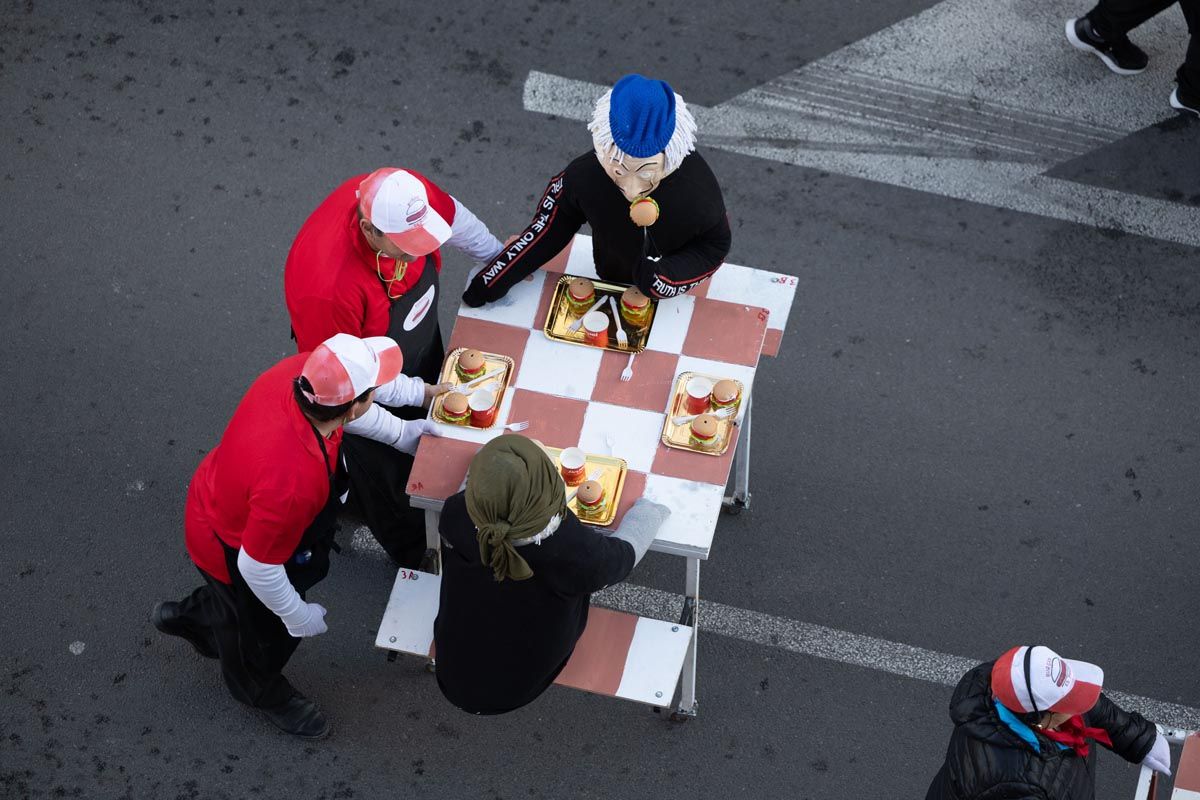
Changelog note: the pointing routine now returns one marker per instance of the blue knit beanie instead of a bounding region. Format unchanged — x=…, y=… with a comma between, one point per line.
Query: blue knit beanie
x=641, y=114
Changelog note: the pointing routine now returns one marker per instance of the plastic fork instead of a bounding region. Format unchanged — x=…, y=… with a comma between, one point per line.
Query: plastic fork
x=721, y=414
x=577, y=324
x=627, y=373
x=622, y=337
x=517, y=427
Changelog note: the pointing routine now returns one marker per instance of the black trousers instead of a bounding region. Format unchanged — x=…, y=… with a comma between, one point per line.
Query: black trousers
x=1115, y=18
x=379, y=480
x=251, y=641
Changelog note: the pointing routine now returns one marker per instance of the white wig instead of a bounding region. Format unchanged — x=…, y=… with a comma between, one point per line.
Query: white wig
x=682, y=142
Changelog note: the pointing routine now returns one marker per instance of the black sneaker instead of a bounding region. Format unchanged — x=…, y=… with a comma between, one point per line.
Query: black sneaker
x=299, y=716
x=165, y=617
x=1121, y=55
x=1184, y=102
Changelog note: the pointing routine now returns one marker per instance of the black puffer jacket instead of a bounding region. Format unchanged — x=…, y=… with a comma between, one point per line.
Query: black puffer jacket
x=987, y=761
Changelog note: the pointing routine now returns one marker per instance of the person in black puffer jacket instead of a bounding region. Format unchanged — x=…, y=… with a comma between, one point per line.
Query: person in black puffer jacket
x=1022, y=726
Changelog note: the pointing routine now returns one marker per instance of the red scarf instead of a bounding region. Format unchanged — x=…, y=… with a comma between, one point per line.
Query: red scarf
x=1074, y=734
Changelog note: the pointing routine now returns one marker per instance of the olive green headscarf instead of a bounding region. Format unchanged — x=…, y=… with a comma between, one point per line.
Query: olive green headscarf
x=513, y=490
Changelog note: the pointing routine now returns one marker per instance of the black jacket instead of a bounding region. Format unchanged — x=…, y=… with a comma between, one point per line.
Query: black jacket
x=681, y=250
x=987, y=761
x=499, y=644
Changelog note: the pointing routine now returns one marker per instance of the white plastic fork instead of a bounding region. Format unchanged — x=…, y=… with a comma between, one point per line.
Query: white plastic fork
x=577, y=324
x=622, y=337
x=627, y=373
x=517, y=427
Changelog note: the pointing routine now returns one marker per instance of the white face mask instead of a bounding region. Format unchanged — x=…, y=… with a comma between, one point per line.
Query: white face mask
x=635, y=177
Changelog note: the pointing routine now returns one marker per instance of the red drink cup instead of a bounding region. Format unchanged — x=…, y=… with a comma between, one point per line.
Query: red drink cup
x=595, y=328
x=698, y=392
x=483, y=408
x=572, y=463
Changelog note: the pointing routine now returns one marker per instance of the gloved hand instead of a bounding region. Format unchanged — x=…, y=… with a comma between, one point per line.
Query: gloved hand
x=313, y=626
x=1159, y=757
x=414, y=429
x=432, y=390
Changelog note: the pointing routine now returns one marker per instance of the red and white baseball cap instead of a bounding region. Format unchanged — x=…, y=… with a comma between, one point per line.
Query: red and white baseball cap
x=1029, y=679
x=344, y=366
x=395, y=202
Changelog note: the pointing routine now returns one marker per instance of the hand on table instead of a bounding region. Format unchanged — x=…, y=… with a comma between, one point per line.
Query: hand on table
x=432, y=390
x=414, y=429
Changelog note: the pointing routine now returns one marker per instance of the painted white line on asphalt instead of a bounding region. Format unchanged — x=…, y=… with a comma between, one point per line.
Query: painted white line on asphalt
x=936, y=104
x=805, y=638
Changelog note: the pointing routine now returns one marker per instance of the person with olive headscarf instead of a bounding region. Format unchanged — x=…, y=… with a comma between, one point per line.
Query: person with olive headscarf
x=517, y=576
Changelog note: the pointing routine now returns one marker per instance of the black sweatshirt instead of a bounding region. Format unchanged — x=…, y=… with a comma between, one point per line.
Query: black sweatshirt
x=500, y=644
x=683, y=248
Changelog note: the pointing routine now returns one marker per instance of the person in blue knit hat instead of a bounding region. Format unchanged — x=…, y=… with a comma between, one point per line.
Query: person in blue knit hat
x=655, y=209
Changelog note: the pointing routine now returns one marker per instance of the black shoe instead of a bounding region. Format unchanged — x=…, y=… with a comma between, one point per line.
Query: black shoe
x=165, y=617
x=299, y=716
x=1185, y=102
x=1120, y=55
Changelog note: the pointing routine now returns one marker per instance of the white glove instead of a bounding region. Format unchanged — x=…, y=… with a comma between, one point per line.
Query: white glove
x=1159, y=757
x=314, y=625
x=414, y=429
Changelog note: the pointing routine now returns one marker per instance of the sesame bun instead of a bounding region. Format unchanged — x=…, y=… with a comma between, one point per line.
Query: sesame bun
x=590, y=493
x=581, y=288
x=704, y=427
x=725, y=391
x=470, y=360
x=634, y=298
x=455, y=404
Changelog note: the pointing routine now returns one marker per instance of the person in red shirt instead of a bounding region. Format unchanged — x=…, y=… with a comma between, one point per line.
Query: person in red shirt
x=367, y=262
x=260, y=517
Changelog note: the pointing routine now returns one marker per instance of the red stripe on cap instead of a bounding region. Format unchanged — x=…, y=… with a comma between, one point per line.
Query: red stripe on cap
x=1081, y=698
x=391, y=362
x=330, y=381
x=369, y=187
x=1002, y=685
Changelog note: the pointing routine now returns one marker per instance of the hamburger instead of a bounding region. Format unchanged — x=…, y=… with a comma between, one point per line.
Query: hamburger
x=635, y=307
x=725, y=394
x=581, y=293
x=470, y=365
x=591, y=500
x=456, y=408
x=703, y=431
x=644, y=212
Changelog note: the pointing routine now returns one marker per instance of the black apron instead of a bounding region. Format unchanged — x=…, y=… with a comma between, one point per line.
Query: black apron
x=413, y=324
x=379, y=472
x=309, y=564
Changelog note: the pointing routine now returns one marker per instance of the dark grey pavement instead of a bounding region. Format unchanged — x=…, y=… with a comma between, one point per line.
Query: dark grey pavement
x=981, y=431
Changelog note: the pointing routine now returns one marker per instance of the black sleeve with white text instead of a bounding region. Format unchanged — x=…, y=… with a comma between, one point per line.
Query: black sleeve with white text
x=687, y=268
x=553, y=227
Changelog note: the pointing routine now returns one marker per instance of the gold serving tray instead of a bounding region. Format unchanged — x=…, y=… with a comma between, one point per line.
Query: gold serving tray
x=559, y=317
x=680, y=436
x=612, y=479
x=491, y=363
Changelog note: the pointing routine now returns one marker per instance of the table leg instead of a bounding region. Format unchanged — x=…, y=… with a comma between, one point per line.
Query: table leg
x=432, y=562
x=690, y=616
x=741, y=467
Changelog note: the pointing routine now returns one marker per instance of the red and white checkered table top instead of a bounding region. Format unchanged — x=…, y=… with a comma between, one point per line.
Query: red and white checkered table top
x=572, y=394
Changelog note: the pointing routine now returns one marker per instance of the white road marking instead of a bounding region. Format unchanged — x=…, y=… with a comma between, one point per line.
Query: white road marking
x=76, y=648
x=805, y=638
x=939, y=103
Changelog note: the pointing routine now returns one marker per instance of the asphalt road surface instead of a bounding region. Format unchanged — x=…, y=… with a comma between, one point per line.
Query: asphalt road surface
x=981, y=430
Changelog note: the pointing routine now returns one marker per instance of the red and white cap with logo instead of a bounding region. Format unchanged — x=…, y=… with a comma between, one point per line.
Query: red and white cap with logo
x=344, y=366
x=395, y=202
x=1034, y=679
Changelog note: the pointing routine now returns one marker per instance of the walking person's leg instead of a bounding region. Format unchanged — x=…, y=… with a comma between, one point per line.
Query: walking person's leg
x=1186, y=96
x=1104, y=30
